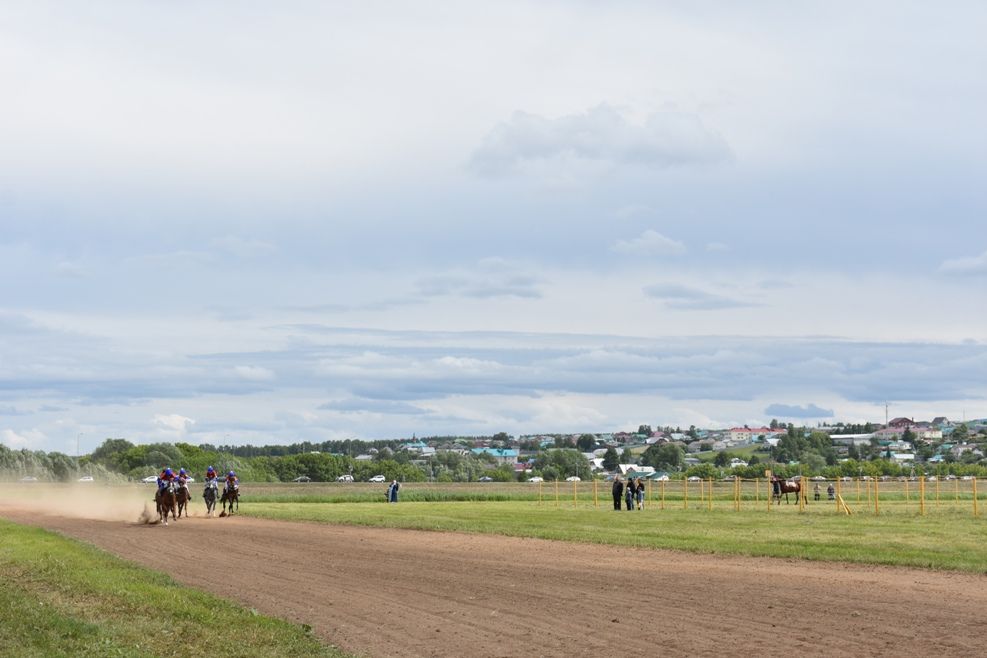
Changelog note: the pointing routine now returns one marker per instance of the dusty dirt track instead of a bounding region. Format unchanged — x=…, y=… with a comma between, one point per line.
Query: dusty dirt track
x=384, y=592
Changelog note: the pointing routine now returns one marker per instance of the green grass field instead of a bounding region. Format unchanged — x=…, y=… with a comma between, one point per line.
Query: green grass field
x=60, y=597
x=937, y=525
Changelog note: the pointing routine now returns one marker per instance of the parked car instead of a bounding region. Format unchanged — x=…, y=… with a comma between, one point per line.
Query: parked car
x=486, y=478
x=694, y=478
x=536, y=478
x=573, y=478
x=150, y=479
x=377, y=478
x=302, y=478
x=86, y=478
x=345, y=478
x=29, y=478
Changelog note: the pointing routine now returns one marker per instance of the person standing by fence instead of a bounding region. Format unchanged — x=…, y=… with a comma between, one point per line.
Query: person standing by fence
x=618, y=492
x=392, y=492
x=639, y=492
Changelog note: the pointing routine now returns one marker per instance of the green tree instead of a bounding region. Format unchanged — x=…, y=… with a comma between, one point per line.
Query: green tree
x=667, y=457
x=627, y=457
x=586, y=442
x=611, y=460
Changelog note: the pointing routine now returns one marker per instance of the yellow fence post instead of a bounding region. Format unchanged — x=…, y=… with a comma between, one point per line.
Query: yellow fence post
x=710, y=499
x=685, y=493
x=757, y=490
x=907, y=500
x=921, y=497
x=596, y=498
x=976, y=512
x=839, y=497
x=877, y=504
x=858, y=491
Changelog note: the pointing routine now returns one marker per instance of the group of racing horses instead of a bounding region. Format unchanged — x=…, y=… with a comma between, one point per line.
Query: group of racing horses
x=175, y=498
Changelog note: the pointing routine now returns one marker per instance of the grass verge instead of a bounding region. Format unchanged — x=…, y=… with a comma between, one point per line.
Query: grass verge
x=63, y=598
x=949, y=541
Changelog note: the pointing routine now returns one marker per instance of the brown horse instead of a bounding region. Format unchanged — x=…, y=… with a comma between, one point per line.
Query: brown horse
x=165, y=500
x=182, y=498
x=230, y=496
x=781, y=486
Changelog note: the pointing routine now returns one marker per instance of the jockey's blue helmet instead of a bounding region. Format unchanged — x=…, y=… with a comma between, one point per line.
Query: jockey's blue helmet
x=181, y=471
x=211, y=470
x=168, y=471
x=232, y=474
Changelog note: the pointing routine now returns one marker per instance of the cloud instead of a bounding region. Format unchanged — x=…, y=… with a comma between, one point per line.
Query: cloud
x=968, y=265
x=691, y=299
x=253, y=373
x=244, y=247
x=370, y=405
x=649, y=243
x=24, y=439
x=491, y=277
x=795, y=411
x=600, y=135
x=173, y=424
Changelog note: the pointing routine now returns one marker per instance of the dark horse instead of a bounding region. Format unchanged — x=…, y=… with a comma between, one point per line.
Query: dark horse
x=781, y=486
x=182, y=498
x=230, y=496
x=165, y=500
x=210, y=495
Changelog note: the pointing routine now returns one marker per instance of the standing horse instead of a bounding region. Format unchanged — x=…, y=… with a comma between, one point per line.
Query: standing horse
x=230, y=496
x=182, y=498
x=166, y=502
x=780, y=486
x=210, y=495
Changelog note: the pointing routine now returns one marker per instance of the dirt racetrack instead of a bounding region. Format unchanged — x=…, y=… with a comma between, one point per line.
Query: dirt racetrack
x=382, y=592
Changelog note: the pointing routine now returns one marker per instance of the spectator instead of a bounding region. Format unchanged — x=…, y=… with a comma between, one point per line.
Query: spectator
x=831, y=491
x=392, y=491
x=618, y=492
x=639, y=490
x=815, y=492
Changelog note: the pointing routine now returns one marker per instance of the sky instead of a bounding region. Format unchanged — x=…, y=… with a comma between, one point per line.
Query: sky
x=248, y=222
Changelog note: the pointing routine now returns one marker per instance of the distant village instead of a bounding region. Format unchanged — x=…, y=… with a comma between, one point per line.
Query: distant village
x=902, y=445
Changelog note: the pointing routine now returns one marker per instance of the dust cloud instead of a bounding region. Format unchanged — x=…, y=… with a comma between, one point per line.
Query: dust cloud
x=131, y=503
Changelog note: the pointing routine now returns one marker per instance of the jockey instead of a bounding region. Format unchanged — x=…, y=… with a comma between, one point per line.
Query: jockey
x=232, y=482
x=167, y=475
x=211, y=478
x=183, y=478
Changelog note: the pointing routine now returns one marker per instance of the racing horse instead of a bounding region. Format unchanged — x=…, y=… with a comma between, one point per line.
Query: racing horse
x=230, y=496
x=182, y=498
x=210, y=495
x=165, y=500
x=781, y=486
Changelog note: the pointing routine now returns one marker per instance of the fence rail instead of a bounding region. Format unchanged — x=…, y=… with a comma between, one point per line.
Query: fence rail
x=848, y=496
